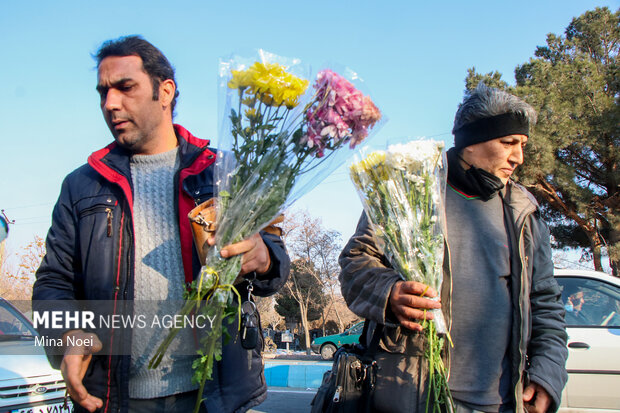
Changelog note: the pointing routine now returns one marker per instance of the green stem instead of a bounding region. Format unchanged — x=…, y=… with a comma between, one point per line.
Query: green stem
x=207, y=366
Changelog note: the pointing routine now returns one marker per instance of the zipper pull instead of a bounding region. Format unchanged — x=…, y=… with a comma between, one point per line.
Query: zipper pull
x=109, y=212
x=336, y=398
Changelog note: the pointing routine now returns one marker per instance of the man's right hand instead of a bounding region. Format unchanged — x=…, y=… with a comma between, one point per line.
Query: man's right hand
x=74, y=365
x=408, y=303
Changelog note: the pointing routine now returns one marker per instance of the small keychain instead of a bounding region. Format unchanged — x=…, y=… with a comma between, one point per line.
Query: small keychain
x=249, y=325
x=249, y=322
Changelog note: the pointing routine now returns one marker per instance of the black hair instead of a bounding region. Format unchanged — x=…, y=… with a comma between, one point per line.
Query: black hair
x=154, y=63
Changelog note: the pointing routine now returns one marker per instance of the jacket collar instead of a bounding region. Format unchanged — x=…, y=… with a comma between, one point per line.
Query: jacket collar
x=116, y=157
x=112, y=162
x=190, y=147
x=519, y=200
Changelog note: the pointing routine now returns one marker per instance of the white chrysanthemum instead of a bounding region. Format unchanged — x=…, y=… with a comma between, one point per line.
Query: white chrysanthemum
x=415, y=155
x=416, y=179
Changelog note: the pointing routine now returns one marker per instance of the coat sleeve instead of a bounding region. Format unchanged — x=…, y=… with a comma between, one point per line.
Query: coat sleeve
x=269, y=283
x=366, y=279
x=54, y=285
x=547, y=351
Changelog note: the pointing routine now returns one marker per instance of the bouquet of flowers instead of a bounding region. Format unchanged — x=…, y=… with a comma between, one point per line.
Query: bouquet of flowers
x=402, y=191
x=277, y=137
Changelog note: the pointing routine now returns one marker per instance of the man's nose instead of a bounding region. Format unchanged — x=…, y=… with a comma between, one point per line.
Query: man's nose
x=112, y=100
x=517, y=155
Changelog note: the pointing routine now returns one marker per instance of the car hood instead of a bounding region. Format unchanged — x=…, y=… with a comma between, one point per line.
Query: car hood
x=22, y=359
x=321, y=340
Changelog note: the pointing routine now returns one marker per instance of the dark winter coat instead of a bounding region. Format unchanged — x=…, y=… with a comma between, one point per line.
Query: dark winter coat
x=90, y=256
x=538, y=340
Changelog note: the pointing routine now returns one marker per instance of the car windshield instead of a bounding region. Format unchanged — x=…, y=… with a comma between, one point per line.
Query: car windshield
x=13, y=325
x=357, y=329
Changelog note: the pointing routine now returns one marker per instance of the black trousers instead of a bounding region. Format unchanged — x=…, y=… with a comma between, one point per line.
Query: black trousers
x=177, y=403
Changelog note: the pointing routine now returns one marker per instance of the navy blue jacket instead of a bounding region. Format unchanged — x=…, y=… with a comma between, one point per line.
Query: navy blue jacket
x=90, y=256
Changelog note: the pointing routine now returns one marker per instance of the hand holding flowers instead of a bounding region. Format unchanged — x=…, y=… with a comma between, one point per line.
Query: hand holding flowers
x=253, y=251
x=402, y=191
x=272, y=150
x=410, y=300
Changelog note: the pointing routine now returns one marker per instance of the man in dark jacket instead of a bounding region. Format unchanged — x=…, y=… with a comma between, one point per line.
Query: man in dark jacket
x=120, y=232
x=498, y=294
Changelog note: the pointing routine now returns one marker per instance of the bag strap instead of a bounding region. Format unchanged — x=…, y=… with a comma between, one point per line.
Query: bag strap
x=369, y=366
x=372, y=348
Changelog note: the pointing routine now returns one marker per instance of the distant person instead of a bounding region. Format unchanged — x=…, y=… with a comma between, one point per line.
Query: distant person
x=498, y=294
x=120, y=232
x=574, y=305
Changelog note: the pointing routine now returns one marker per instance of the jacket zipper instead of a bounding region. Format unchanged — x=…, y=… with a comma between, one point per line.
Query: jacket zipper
x=109, y=212
x=116, y=290
x=93, y=210
x=449, y=321
x=523, y=259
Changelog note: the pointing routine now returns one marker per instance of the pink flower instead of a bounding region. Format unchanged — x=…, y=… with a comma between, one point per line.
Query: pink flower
x=370, y=112
x=340, y=112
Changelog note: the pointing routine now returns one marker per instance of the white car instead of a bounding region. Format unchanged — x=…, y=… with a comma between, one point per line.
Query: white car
x=28, y=384
x=592, y=303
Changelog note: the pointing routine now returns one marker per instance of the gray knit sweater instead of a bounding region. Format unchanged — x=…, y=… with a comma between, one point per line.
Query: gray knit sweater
x=158, y=276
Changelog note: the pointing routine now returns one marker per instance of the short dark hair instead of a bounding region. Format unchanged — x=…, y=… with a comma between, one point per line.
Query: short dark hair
x=155, y=64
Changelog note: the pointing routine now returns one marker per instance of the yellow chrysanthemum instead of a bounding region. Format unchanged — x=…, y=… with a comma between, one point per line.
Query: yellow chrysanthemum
x=367, y=164
x=372, y=167
x=272, y=84
x=241, y=79
x=249, y=101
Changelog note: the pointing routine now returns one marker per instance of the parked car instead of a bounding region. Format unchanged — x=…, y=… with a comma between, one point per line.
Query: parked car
x=592, y=303
x=28, y=384
x=327, y=346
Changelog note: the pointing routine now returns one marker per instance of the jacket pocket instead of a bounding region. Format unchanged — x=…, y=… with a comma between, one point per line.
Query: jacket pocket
x=97, y=214
x=398, y=340
x=202, y=193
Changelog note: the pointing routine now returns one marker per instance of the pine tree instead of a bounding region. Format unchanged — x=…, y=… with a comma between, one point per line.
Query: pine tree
x=572, y=157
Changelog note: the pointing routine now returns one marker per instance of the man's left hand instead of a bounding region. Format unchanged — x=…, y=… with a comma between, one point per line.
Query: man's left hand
x=255, y=254
x=536, y=398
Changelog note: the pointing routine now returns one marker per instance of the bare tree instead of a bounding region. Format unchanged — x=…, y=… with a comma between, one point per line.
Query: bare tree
x=302, y=297
x=317, y=250
x=268, y=315
x=16, y=283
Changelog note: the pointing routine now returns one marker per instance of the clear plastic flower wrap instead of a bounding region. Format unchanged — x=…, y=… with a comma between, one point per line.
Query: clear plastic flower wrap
x=280, y=136
x=403, y=191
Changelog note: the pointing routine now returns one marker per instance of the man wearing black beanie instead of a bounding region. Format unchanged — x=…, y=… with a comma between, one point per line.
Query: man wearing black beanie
x=499, y=295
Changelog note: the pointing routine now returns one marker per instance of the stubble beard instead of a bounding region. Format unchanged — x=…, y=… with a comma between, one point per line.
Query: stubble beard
x=133, y=141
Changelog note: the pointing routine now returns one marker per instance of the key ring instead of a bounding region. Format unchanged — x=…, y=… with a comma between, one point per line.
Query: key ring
x=248, y=307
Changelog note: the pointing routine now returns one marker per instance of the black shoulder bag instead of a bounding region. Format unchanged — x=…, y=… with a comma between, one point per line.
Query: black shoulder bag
x=348, y=386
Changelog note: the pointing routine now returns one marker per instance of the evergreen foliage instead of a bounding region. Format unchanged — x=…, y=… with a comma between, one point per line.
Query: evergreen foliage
x=572, y=156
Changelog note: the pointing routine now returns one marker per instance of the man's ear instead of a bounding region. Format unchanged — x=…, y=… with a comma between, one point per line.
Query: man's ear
x=167, y=88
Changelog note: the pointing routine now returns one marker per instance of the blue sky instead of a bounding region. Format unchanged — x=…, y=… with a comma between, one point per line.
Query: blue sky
x=413, y=57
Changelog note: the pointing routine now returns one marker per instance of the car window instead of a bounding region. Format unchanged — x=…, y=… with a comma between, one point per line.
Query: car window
x=13, y=323
x=357, y=329
x=589, y=302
